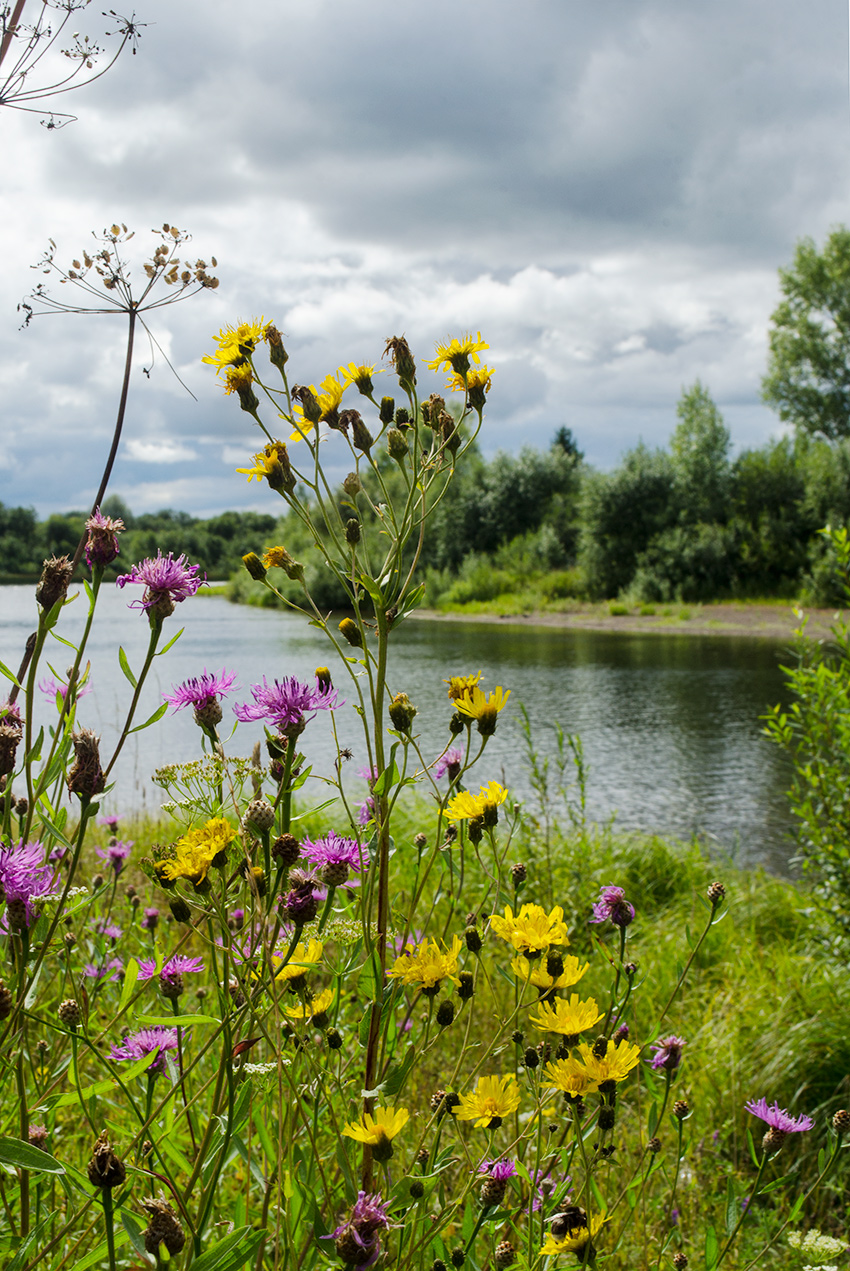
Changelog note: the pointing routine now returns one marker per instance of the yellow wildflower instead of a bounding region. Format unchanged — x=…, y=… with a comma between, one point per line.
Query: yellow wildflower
x=455, y=355
x=566, y=1016
x=467, y=806
x=532, y=930
x=428, y=964
x=478, y=706
x=360, y=376
x=272, y=462
x=196, y=850
x=328, y=400
x=461, y=686
x=304, y=958
x=536, y=973
x=575, y=1239
x=238, y=378
x=378, y=1129
x=563, y=1075
x=476, y=384
x=491, y=1101
x=235, y=344
x=310, y=1010
x=615, y=1065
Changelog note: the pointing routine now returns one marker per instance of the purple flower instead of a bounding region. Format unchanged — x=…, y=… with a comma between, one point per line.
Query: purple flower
x=236, y=919
x=50, y=687
x=178, y=964
x=301, y=905
x=10, y=715
x=106, y=971
x=167, y=582
x=668, y=1053
x=58, y=854
x=450, y=763
x=358, y=1239
x=332, y=850
x=102, y=542
x=366, y=812
x=612, y=904
x=111, y=822
x=201, y=691
x=288, y=704
x=139, y=1044
x=149, y=920
x=109, y=930
x=25, y=878
x=500, y=1170
x=115, y=854
x=777, y=1118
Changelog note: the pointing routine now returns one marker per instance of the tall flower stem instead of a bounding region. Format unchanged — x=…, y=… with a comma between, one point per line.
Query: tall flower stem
x=156, y=631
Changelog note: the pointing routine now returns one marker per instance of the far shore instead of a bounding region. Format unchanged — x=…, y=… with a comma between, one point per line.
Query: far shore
x=777, y=621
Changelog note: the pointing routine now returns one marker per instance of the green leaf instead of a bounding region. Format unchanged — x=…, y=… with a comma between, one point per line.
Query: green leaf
x=101, y=1252
x=173, y=1021
x=131, y=975
x=106, y=1085
x=397, y=1074
x=230, y=1253
x=365, y=1024
x=29, y=1243
x=125, y=666
x=158, y=714
x=751, y=1145
x=372, y=587
x=597, y=1194
x=821, y=1160
x=25, y=1156
x=652, y=1122
x=133, y=1229
x=389, y=777
x=172, y=641
x=712, y=1249
x=731, y=1206
x=4, y=670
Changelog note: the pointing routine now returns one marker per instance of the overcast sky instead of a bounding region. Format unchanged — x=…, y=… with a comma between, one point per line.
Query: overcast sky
x=604, y=188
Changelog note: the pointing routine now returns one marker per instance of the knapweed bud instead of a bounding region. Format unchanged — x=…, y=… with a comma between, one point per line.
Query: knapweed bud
x=180, y=909
x=387, y=411
x=402, y=712
x=97, y=882
x=397, y=447
x=715, y=892
x=53, y=584
x=21, y=806
x=350, y=631
x=680, y=1261
x=105, y=1170
x=420, y=841
x=163, y=1228
x=654, y=1146
x=259, y=815
x=445, y=1013
x=621, y=1034
x=458, y=1256
x=254, y=566
x=519, y=873
x=6, y=1002
x=773, y=1140
x=352, y=485
x=171, y=985
x=681, y=1109
x=69, y=1013
x=841, y=1121
x=493, y=1189
x=300, y=905
x=278, y=355
x=10, y=736
x=416, y=1189
x=334, y=873
x=286, y=849
x=352, y=531
x=37, y=1136
x=86, y=778
x=505, y=1254
x=466, y=986
x=16, y=913
x=102, y=541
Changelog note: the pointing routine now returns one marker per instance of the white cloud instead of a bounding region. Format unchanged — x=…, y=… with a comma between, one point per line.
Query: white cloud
x=161, y=451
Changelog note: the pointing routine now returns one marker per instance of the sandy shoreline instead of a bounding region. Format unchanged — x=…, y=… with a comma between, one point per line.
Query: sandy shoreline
x=770, y=622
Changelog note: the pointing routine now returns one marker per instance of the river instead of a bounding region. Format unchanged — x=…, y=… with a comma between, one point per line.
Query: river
x=669, y=723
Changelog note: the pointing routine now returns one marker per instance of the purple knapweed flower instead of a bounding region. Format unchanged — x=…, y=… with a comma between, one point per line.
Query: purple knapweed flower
x=288, y=704
x=149, y=919
x=110, y=822
x=501, y=1170
x=167, y=582
x=777, y=1118
x=109, y=930
x=358, y=1239
x=58, y=854
x=301, y=904
x=178, y=964
x=10, y=714
x=25, y=879
x=115, y=854
x=106, y=971
x=545, y=1186
x=332, y=853
x=612, y=904
x=236, y=919
x=141, y=1043
x=668, y=1053
x=202, y=691
x=366, y=812
x=451, y=763
x=102, y=542
x=50, y=687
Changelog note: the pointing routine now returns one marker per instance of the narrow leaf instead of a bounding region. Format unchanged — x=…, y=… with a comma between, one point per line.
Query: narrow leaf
x=731, y=1206
x=173, y=640
x=712, y=1249
x=158, y=714
x=131, y=975
x=230, y=1253
x=173, y=1021
x=4, y=670
x=125, y=666
x=25, y=1156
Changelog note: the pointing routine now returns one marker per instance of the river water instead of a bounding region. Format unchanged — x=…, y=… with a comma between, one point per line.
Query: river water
x=669, y=723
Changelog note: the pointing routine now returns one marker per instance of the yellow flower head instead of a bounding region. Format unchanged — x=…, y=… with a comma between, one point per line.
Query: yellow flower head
x=428, y=964
x=272, y=462
x=455, y=356
x=235, y=344
x=616, y=1064
x=563, y=1075
x=477, y=385
x=318, y=1006
x=477, y=705
x=378, y=1127
x=461, y=686
x=568, y=1017
x=327, y=399
x=536, y=973
x=575, y=1239
x=467, y=806
x=360, y=376
x=491, y=1101
x=238, y=379
x=304, y=958
x=196, y=850
x=532, y=930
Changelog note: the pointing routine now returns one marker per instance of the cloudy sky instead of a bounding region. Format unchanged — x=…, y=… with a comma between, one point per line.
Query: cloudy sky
x=604, y=188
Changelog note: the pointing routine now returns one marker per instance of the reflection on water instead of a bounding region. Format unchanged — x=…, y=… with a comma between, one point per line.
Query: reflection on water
x=670, y=723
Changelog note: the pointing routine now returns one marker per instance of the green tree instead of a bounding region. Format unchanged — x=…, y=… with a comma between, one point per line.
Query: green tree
x=808, y=376
x=699, y=449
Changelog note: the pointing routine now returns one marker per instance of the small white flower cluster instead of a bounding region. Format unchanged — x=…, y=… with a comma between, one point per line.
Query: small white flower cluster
x=817, y=1247
x=260, y=1074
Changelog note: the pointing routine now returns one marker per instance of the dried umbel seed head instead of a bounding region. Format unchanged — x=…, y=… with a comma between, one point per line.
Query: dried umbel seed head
x=493, y=1190
x=105, y=1170
x=259, y=814
x=841, y=1121
x=445, y=1013
x=69, y=1013
x=286, y=849
x=163, y=1227
x=86, y=778
x=53, y=584
x=681, y=1109
x=715, y=892
x=505, y=1254
x=654, y=1146
x=7, y=1001
x=518, y=873
x=466, y=986
x=680, y=1261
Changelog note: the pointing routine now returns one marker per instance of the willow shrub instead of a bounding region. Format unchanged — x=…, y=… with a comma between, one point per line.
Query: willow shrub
x=391, y=1055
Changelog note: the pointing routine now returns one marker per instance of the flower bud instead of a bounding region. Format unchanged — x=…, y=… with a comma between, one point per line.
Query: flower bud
x=458, y=1256
x=254, y=566
x=841, y=1121
x=505, y=1254
x=259, y=815
x=417, y=1189
x=352, y=531
x=403, y=362
x=350, y=631
x=333, y=1038
x=279, y=558
x=472, y=936
x=387, y=411
x=445, y=1013
x=361, y=438
x=681, y=1109
x=715, y=892
x=654, y=1146
x=352, y=485
x=278, y=355
x=402, y=712
x=397, y=447
x=180, y=909
x=105, y=1170
x=286, y=849
x=53, y=584
x=86, y=778
x=519, y=873
x=531, y=1059
x=466, y=987
x=7, y=1001
x=163, y=1228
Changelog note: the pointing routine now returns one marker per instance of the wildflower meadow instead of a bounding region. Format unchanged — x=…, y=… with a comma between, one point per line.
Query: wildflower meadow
x=382, y=1015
